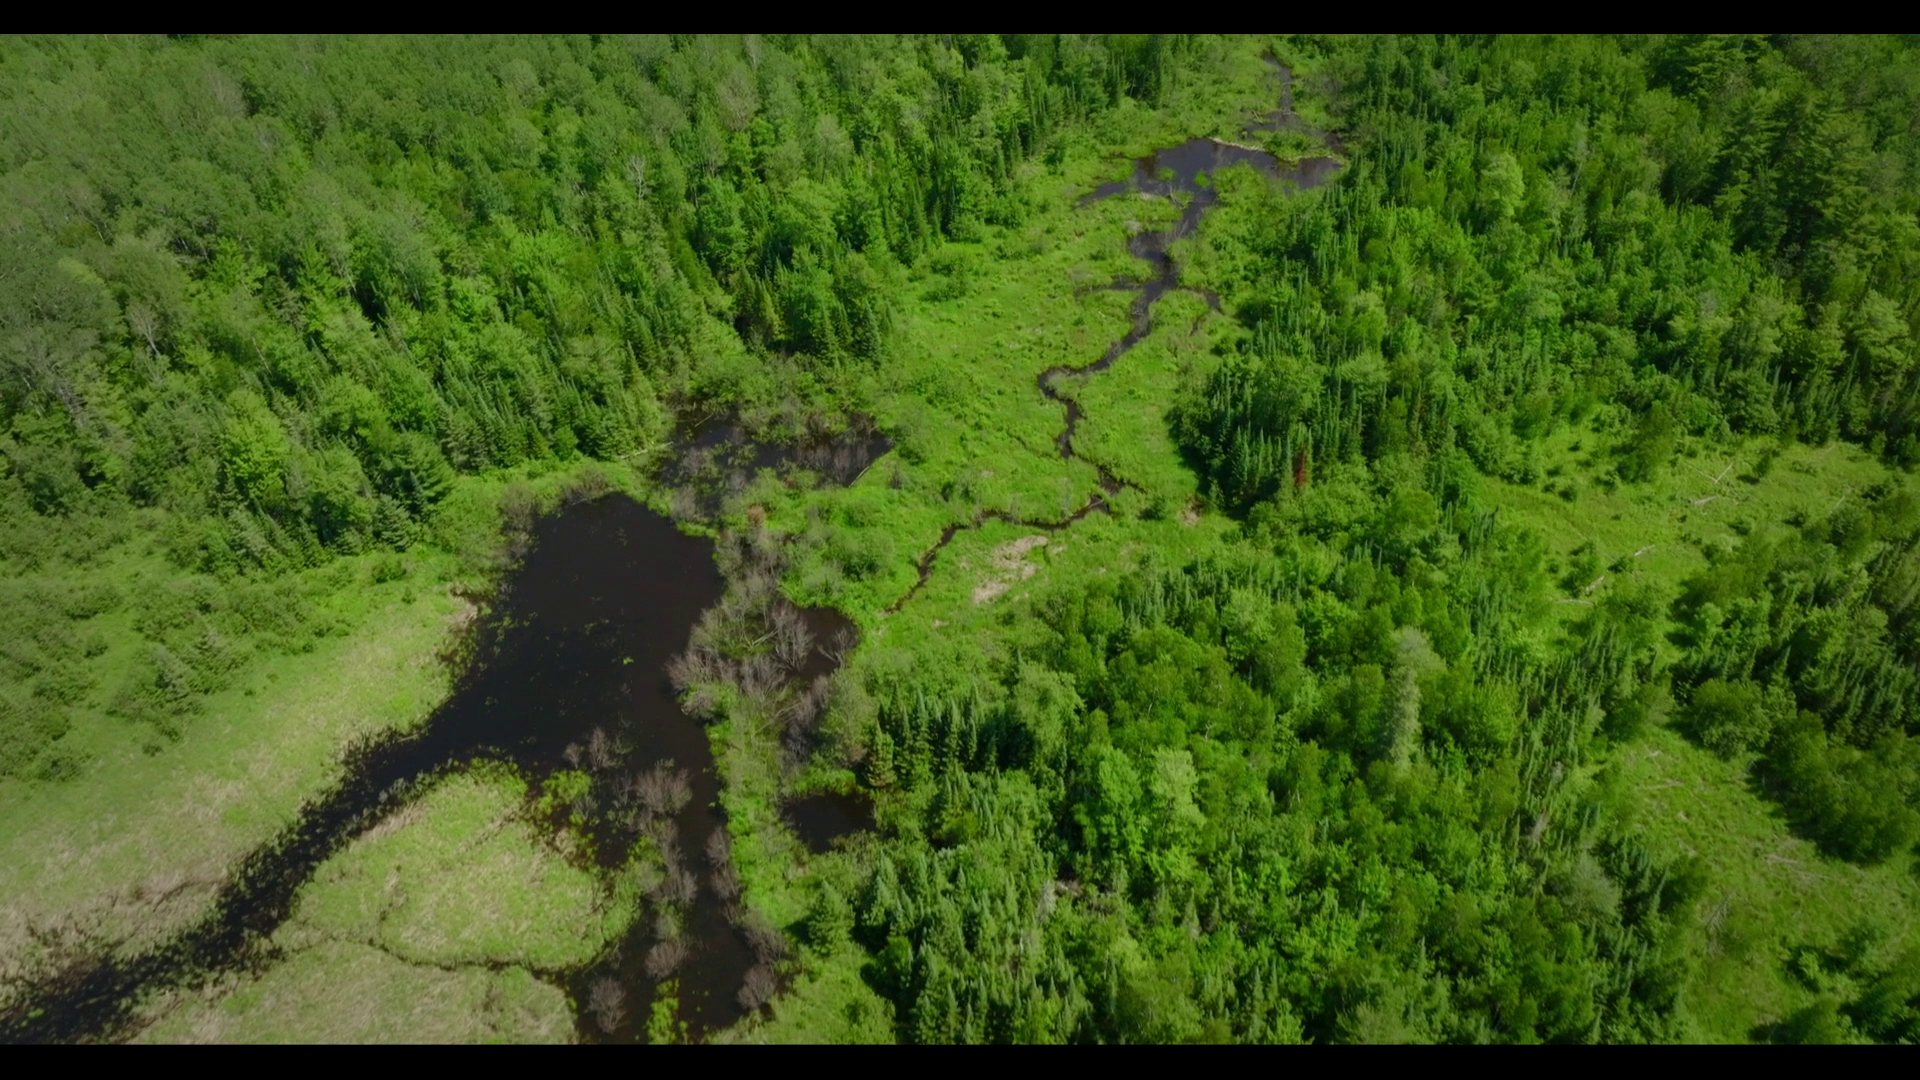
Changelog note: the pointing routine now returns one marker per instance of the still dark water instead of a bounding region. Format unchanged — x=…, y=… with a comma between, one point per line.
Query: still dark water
x=824, y=818
x=569, y=672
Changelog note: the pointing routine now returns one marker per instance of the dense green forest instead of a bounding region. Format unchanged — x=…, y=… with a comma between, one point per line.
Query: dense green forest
x=1484, y=606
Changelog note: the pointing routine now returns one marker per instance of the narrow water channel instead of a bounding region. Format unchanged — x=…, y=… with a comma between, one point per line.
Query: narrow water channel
x=1183, y=171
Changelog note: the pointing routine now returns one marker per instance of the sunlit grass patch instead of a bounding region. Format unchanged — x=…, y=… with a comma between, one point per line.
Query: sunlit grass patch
x=342, y=992
x=133, y=847
x=462, y=875
x=1767, y=891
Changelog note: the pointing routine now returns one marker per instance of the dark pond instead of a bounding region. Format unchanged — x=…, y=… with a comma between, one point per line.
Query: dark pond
x=570, y=674
x=821, y=819
x=721, y=457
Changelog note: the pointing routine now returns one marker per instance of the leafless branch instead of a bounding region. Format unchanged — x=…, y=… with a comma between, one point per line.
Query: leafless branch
x=608, y=1003
x=600, y=751
x=792, y=641
x=663, y=790
x=758, y=988
x=719, y=848
x=666, y=957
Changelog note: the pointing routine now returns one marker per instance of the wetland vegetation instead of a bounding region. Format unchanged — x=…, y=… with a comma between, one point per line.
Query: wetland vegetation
x=960, y=539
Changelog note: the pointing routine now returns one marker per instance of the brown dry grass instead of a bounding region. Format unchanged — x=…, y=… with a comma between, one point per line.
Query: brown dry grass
x=1009, y=566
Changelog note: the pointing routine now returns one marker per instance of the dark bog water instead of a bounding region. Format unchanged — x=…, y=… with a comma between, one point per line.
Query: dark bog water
x=822, y=819
x=721, y=457
x=571, y=674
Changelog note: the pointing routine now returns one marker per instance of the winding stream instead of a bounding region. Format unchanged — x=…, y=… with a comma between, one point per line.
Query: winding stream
x=1176, y=171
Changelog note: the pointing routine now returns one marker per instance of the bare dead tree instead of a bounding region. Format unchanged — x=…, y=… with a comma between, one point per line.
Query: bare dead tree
x=804, y=712
x=669, y=850
x=663, y=791
x=663, y=834
x=746, y=551
x=842, y=644
x=708, y=634
x=760, y=678
x=701, y=704
x=697, y=460
x=760, y=587
x=697, y=665
x=766, y=940
x=666, y=957
x=678, y=887
x=729, y=628
x=608, y=1003
x=766, y=551
x=758, y=988
x=724, y=878
x=683, y=505
x=623, y=790
x=719, y=848
x=731, y=553
x=600, y=751
x=792, y=641
x=807, y=707
x=725, y=882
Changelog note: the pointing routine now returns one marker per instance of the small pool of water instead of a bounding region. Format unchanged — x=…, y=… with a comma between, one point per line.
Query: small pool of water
x=822, y=819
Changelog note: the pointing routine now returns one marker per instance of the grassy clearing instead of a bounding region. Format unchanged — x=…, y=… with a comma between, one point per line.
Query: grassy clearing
x=1660, y=530
x=133, y=848
x=1768, y=890
x=424, y=929
x=1125, y=425
x=461, y=876
x=344, y=992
